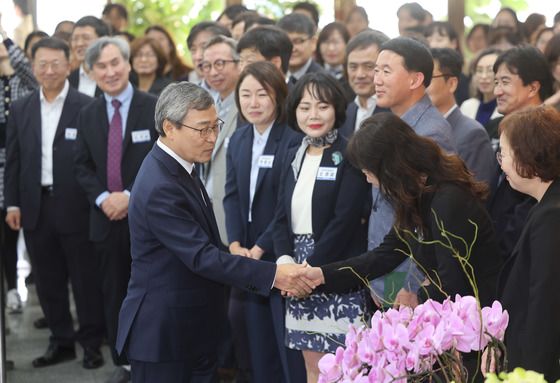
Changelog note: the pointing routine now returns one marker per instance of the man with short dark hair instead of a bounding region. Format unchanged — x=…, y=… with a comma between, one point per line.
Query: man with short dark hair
x=403, y=71
x=523, y=79
x=266, y=43
x=302, y=33
x=43, y=197
x=469, y=136
x=85, y=32
x=308, y=9
x=116, y=16
x=115, y=133
x=199, y=35
x=361, y=54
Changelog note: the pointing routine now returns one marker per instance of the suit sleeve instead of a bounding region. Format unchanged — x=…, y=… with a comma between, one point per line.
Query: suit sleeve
x=543, y=312
x=232, y=207
x=12, y=167
x=84, y=165
x=451, y=208
x=170, y=219
x=350, y=274
x=480, y=156
x=348, y=207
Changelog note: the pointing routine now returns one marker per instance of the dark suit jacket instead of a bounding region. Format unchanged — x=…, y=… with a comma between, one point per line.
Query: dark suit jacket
x=237, y=194
x=174, y=306
x=454, y=207
x=22, y=182
x=347, y=128
x=91, y=154
x=473, y=146
x=337, y=205
x=158, y=85
x=529, y=289
x=74, y=80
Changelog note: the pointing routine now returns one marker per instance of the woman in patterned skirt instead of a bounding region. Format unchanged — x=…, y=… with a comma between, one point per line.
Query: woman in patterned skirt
x=319, y=216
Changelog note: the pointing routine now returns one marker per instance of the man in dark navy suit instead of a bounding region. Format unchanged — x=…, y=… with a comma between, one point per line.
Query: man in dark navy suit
x=174, y=304
x=43, y=197
x=361, y=55
x=116, y=132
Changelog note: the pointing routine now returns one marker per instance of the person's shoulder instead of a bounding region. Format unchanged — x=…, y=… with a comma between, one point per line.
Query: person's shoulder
x=22, y=102
x=144, y=97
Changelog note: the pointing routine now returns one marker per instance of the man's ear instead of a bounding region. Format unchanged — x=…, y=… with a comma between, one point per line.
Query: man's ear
x=534, y=88
x=453, y=83
x=416, y=80
x=277, y=61
x=168, y=129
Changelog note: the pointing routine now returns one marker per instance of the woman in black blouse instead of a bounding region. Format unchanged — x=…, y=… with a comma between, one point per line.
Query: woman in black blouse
x=430, y=191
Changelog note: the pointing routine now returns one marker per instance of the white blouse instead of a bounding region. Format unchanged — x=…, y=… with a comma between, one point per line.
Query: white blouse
x=303, y=195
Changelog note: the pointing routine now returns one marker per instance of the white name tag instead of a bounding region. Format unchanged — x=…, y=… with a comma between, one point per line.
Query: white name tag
x=70, y=133
x=139, y=136
x=266, y=161
x=326, y=173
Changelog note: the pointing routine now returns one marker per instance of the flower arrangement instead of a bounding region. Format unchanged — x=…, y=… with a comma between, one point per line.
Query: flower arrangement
x=408, y=345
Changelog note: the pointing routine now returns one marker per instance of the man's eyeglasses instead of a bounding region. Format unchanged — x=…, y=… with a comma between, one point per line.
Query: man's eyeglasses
x=206, y=66
x=300, y=40
x=205, y=132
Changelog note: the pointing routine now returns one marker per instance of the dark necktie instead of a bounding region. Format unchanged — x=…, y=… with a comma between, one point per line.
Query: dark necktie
x=114, y=150
x=198, y=184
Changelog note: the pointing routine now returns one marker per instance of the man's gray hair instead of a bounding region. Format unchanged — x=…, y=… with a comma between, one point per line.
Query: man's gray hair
x=221, y=39
x=176, y=100
x=94, y=50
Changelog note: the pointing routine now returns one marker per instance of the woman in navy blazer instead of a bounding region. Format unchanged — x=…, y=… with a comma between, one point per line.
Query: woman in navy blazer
x=254, y=158
x=319, y=216
x=529, y=287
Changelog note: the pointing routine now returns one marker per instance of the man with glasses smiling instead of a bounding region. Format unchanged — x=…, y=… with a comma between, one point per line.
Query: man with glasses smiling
x=220, y=66
x=115, y=133
x=43, y=197
x=301, y=31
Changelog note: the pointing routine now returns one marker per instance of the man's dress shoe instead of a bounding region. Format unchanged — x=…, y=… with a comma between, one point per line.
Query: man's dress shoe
x=55, y=354
x=92, y=358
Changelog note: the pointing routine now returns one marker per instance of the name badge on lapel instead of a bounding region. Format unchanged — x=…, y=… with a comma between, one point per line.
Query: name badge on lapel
x=70, y=133
x=139, y=136
x=326, y=173
x=266, y=161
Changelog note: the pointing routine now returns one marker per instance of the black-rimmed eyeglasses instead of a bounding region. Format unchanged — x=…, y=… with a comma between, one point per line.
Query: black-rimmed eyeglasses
x=205, y=132
x=219, y=65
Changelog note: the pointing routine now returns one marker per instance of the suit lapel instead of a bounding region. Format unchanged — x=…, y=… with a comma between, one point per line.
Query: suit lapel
x=69, y=109
x=246, y=150
x=133, y=115
x=184, y=179
x=35, y=122
x=230, y=123
x=269, y=149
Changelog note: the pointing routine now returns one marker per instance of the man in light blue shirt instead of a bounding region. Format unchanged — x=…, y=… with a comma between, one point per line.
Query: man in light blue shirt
x=402, y=74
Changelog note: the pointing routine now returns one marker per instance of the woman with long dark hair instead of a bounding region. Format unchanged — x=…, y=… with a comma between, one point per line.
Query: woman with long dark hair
x=175, y=69
x=435, y=199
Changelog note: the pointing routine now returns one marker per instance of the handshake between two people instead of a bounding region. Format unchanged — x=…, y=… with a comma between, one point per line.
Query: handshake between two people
x=298, y=280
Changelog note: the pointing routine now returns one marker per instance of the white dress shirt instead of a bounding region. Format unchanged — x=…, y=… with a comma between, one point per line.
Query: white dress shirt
x=50, y=117
x=303, y=195
x=366, y=112
x=259, y=143
x=86, y=84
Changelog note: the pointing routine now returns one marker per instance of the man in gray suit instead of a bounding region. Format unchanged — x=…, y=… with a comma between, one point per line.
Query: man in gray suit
x=469, y=136
x=220, y=65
